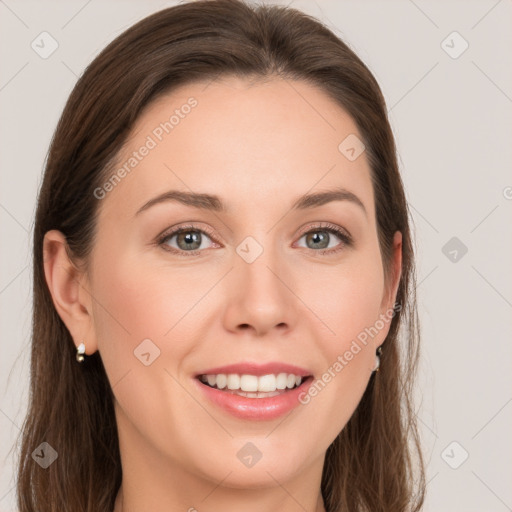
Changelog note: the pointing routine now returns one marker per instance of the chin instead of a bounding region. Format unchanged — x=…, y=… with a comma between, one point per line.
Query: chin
x=253, y=463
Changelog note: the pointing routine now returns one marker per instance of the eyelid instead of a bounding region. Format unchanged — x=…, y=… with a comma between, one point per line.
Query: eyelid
x=324, y=225
x=186, y=227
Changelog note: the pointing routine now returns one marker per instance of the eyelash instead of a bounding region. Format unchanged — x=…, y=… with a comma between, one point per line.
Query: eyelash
x=327, y=227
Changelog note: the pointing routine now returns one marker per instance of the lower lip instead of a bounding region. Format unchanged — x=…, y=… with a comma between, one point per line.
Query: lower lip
x=256, y=408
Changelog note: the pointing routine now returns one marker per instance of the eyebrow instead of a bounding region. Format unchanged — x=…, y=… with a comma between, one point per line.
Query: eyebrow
x=214, y=203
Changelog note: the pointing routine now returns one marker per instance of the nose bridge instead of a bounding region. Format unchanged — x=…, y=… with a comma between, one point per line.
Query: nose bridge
x=260, y=297
x=261, y=276
x=259, y=268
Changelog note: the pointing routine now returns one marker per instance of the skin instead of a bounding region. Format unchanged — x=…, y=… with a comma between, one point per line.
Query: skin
x=258, y=147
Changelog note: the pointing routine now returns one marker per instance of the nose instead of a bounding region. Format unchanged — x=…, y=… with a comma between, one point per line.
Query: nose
x=260, y=297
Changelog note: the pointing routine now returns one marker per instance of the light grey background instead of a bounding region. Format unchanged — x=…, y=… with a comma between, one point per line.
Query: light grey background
x=453, y=125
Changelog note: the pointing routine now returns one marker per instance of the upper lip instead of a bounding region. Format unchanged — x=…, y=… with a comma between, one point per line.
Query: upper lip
x=252, y=368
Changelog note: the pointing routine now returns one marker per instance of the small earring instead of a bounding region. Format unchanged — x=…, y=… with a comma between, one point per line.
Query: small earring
x=377, y=359
x=79, y=352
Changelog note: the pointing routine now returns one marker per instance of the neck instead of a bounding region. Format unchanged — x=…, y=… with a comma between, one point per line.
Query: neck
x=119, y=505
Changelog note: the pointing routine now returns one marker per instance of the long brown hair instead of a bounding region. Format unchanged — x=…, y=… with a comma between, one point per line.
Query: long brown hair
x=370, y=465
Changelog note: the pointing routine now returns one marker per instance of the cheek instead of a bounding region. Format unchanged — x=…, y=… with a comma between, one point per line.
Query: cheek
x=143, y=319
x=136, y=302
x=347, y=298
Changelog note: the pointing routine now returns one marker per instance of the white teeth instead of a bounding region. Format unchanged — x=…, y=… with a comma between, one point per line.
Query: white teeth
x=267, y=383
x=249, y=383
x=233, y=381
x=222, y=381
x=257, y=394
x=281, y=380
x=253, y=384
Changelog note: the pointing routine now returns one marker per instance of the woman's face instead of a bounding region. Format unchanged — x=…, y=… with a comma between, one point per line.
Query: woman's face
x=259, y=280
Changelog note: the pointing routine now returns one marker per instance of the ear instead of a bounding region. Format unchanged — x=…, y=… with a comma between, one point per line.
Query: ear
x=391, y=290
x=68, y=288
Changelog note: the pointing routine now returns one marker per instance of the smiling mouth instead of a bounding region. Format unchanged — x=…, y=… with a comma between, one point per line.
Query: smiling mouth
x=251, y=386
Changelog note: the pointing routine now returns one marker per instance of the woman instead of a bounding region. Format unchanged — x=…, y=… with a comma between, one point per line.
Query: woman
x=222, y=264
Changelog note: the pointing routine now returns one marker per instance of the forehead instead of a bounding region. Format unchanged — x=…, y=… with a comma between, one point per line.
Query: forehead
x=246, y=141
